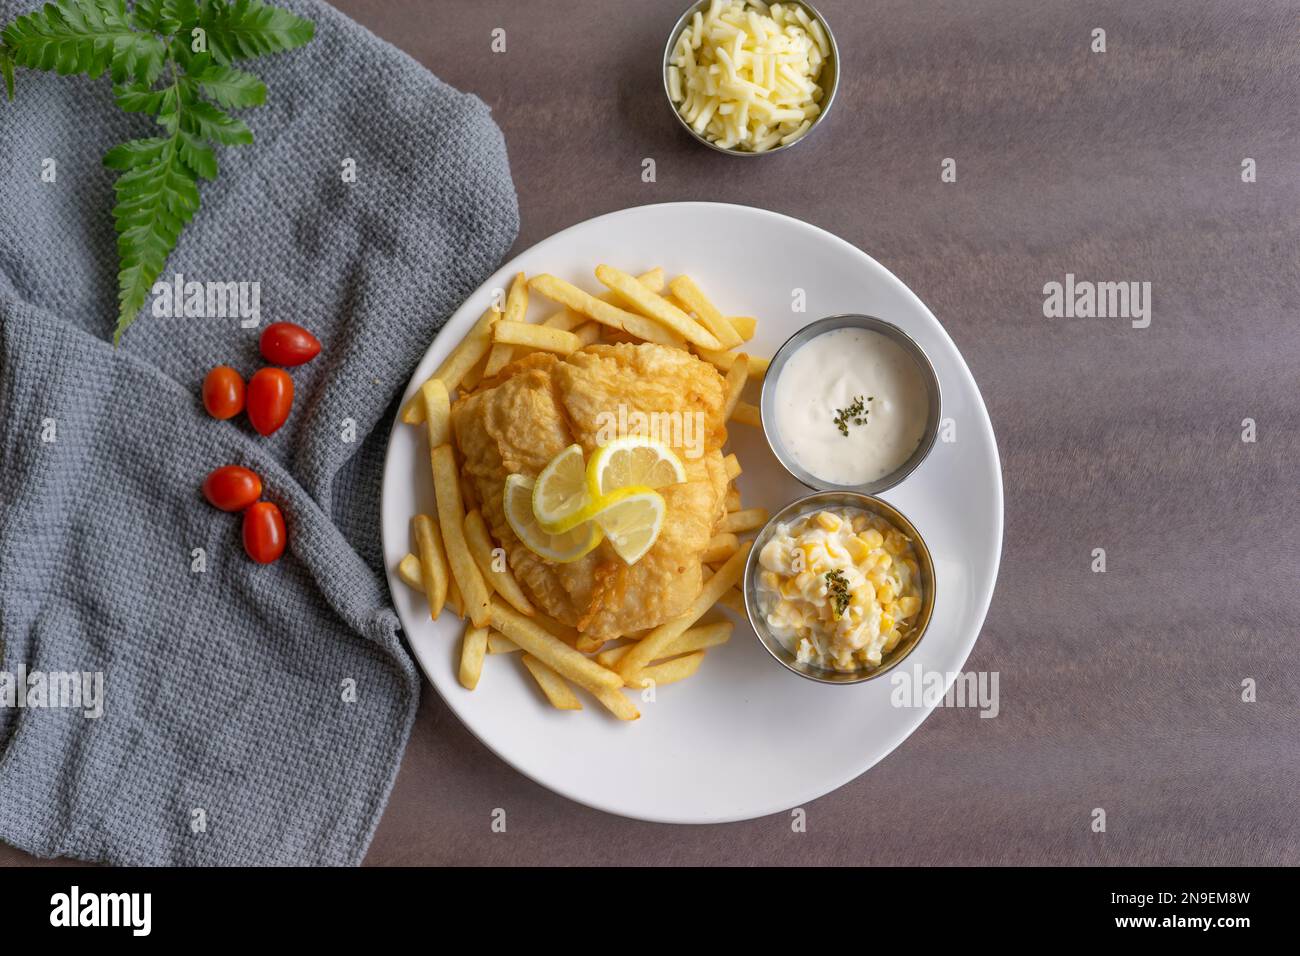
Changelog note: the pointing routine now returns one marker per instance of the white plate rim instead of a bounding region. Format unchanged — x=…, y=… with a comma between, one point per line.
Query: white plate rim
x=466, y=314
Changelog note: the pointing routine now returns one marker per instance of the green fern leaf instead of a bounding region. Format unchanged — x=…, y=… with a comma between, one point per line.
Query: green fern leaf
x=7, y=70
x=197, y=155
x=166, y=16
x=156, y=197
x=140, y=99
x=205, y=120
x=134, y=154
x=229, y=87
x=157, y=189
x=85, y=36
x=249, y=28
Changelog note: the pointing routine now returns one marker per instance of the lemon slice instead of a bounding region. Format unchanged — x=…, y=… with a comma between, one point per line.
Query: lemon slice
x=633, y=461
x=631, y=519
x=560, y=494
x=560, y=548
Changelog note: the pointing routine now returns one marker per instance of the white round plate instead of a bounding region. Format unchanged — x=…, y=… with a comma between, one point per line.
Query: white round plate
x=744, y=737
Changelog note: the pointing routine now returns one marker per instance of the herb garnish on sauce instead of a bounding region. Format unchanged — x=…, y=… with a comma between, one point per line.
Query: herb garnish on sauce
x=855, y=414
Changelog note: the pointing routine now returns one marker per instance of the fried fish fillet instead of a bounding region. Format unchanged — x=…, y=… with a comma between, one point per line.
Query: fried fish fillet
x=536, y=407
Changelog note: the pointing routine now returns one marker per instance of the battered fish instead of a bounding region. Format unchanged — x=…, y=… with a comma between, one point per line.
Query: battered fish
x=538, y=406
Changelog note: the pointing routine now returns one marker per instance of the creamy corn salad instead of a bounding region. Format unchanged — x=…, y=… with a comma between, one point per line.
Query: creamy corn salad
x=838, y=588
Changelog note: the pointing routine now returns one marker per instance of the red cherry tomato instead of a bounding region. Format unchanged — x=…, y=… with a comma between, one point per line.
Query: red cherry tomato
x=232, y=488
x=287, y=344
x=270, y=396
x=264, y=534
x=223, y=392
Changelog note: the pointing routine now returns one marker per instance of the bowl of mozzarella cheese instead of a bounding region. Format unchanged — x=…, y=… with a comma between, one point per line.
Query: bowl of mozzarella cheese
x=750, y=78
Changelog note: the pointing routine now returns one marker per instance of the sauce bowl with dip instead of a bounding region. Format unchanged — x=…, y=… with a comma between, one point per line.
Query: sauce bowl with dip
x=839, y=587
x=851, y=403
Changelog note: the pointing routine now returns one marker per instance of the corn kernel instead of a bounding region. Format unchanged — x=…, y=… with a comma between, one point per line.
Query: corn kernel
x=871, y=538
x=860, y=522
x=895, y=543
x=908, y=606
x=828, y=521
x=891, y=641
x=886, y=592
x=884, y=562
x=858, y=550
x=886, y=623
x=876, y=577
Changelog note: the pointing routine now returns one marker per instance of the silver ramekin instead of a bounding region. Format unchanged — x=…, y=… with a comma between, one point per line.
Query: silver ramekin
x=829, y=80
x=908, y=344
x=840, y=499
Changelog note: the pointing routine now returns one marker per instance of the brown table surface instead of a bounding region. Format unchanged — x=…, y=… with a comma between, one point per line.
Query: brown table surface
x=1120, y=690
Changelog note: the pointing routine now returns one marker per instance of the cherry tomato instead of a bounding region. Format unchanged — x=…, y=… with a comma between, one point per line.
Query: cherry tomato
x=232, y=488
x=264, y=534
x=287, y=344
x=270, y=396
x=223, y=392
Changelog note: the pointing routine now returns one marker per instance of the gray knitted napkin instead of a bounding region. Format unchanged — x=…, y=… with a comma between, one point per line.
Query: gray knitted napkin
x=250, y=714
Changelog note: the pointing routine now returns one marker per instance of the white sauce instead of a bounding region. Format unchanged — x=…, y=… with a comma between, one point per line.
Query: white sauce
x=825, y=375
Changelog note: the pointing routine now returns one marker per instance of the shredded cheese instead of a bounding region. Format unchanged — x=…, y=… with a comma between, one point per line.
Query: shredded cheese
x=744, y=74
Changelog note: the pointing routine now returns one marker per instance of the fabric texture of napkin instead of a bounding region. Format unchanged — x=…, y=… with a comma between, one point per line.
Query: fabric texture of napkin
x=251, y=714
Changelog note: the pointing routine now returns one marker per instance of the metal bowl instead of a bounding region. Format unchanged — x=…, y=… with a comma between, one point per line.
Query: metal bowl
x=841, y=499
x=908, y=344
x=829, y=79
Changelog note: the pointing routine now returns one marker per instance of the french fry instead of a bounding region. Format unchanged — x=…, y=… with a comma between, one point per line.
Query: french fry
x=724, y=361
x=651, y=647
x=516, y=308
x=437, y=411
x=472, y=648
x=696, y=639
x=433, y=563
x=746, y=413
x=719, y=548
x=556, y=689
x=733, y=499
x=569, y=635
x=565, y=319
x=475, y=375
x=454, y=600
x=588, y=644
x=502, y=581
x=669, y=672
x=656, y=307
x=653, y=280
x=738, y=522
x=615, y=702
x=737, y=376
x=454, y=367
x=732, y=465
x=451, y=517
x=733, y=600
x=745, y=326
x=689, y=294
x=604, y=312
x=615, y=336
x=536, y=337
x=500, y=644
x=550, y=650
x=500, y=356
x=408, y=569
x=517, y=299
x=588, y=333
x=569, y=320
